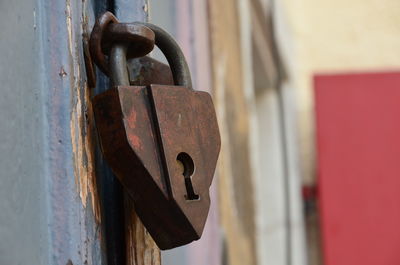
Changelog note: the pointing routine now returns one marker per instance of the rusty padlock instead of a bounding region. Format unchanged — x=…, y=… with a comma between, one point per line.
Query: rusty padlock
x=162, y=142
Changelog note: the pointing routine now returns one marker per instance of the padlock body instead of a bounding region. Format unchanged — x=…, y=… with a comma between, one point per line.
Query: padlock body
x=152, y=137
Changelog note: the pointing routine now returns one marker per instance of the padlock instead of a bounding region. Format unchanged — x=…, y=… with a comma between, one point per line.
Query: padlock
x=162, y=142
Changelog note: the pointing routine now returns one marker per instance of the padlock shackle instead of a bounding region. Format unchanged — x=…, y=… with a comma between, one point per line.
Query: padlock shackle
x=173, y=53
x=166, y=43
x=117, y=63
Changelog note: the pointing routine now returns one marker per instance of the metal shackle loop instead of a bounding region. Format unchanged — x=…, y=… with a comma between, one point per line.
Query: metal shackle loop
x=166, y=43
x=174, y=55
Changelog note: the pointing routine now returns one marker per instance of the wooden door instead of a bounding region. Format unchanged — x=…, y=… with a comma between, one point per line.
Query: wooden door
x=53, y=175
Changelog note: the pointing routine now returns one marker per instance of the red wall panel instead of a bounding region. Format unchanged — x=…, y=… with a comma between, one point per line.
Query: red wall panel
x=358, y=146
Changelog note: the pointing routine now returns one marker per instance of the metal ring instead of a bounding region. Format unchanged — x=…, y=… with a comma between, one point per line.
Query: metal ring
x=96, y=39
x=108, y=31
x=139, y=39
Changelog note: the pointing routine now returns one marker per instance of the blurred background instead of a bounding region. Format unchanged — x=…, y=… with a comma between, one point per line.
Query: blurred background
x=307, y=95
x=308, y=99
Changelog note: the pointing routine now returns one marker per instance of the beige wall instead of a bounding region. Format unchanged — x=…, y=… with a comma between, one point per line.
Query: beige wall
x=313, y=36
x=333, y=36
x=330, y=36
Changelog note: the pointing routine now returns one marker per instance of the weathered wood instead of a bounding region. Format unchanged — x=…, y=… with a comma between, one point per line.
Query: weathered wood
x=49, y=199
x=140, y=247
x=235, y=181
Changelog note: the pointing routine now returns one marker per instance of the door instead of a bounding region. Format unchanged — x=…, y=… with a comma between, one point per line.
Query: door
x=358, y=168
x=52, y=174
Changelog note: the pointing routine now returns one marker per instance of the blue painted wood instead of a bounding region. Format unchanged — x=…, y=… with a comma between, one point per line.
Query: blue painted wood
x=73, y=234
x=23, y=231
x=43, y=218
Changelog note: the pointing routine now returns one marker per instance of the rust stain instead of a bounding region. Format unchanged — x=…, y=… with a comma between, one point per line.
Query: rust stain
x=127, y=159
x=135, y=141
x=132, y=119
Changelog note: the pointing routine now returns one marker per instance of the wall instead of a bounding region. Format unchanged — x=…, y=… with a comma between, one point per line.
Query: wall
x=329, y=36
x=338, y=36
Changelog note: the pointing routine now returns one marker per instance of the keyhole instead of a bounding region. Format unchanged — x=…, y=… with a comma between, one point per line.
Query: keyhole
x=186, y=162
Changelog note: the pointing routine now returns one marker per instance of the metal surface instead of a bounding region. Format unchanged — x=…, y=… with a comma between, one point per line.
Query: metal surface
x=140, y=39
x=119, y=69
x=96, y=37
x=134, y=149
x=108, y=31
x=162, y=142
x=146, y=70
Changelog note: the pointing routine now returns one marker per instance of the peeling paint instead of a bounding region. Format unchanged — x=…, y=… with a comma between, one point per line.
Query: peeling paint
x=140, y=248
x=83, y=149
x=81, y=126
